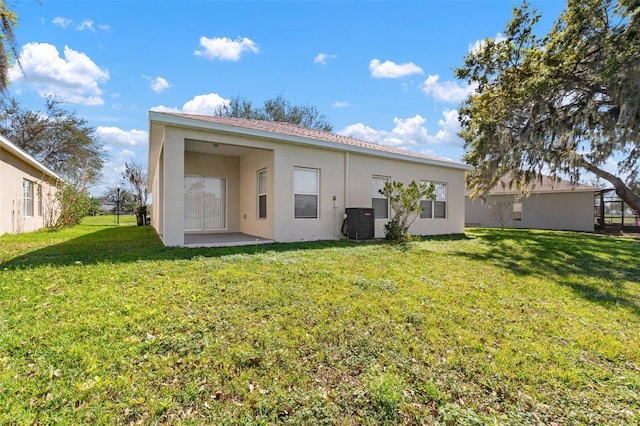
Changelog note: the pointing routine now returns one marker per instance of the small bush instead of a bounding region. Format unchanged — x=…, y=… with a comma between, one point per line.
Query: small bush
x=385, y=392
x=66, y=206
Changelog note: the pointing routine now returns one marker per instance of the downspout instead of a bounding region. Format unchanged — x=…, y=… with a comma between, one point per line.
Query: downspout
x=346, y=179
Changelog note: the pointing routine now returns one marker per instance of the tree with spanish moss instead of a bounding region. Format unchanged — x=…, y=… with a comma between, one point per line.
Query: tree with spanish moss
x=564, y=103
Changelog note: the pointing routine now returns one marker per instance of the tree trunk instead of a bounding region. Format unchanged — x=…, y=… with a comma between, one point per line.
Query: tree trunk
x=623, y=191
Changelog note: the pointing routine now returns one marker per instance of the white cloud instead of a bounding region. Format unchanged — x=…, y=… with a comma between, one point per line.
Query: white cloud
x=390, y=69
x=447, y=91
x=87, y=24
x=322, y=58
x=449, y=127
x=225, y=49
x=478, y=44
x=361, y=131
x=162, y=108
x=208, y=104
x=158, y=84
x=205, y=104
x=410, y=133
x=122, y=146
x=113, y=169
x=111, y=136
x=61, y=22
x=340, y=104
x=74, y=78
x=406, y=134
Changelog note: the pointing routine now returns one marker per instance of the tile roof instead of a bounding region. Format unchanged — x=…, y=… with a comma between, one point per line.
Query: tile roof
x=547, y=184
x=306, y=133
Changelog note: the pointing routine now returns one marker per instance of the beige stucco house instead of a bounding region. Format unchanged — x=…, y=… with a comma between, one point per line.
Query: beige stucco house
x=27, y=190
x=222, y=181
x=550, y=204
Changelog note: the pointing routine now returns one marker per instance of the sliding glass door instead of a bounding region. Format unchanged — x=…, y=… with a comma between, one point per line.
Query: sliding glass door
x=205, y=203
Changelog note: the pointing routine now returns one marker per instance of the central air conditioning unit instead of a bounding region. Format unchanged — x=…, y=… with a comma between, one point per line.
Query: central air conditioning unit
x=359, y=223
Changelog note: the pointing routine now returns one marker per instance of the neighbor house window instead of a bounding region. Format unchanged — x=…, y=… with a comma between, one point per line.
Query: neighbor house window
x=306, y=184
x=379, y=202
x=517, y=211
x=437, y=208
x=262, y=194
x=39, y=193
x=27, y=198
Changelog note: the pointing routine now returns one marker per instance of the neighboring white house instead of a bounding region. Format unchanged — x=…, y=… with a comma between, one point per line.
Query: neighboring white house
x=550, y=204
x=27, y=190
x=220, y=180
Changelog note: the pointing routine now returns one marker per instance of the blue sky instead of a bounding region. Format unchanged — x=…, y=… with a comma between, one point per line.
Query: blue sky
x=379, y=71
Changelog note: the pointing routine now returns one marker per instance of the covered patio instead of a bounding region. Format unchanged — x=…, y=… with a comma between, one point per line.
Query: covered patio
x=229, y=239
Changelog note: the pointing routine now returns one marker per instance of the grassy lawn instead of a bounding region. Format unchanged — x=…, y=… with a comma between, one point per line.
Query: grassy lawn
x=101, y=324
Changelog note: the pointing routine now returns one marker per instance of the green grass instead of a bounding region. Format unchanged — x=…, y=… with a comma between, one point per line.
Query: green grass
x=101, y=324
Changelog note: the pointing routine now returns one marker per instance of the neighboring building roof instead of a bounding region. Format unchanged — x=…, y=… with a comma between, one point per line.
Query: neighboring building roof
x=298, y=134
x=546, y=185
x=18, y=152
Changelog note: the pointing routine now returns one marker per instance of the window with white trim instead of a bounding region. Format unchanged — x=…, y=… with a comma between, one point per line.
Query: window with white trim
x=379, y=202
x=262, y=194
x=517, y=211
x=306, y=184
x=27, y=198
x=39, y=193
x=437, y=208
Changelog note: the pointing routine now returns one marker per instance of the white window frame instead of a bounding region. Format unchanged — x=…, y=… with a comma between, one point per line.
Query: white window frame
x=375, y=195
x=27, y=198
x=306, y=192
x=431, y=204
x=261, y=193
x=39, y=194
x=516, y=212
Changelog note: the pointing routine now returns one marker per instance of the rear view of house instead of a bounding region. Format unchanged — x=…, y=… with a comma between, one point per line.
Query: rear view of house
x=27, y=190
x=550, y=204
x=220, y=180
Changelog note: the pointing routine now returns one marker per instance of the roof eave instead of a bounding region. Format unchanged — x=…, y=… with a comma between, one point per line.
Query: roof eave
x=18, y=152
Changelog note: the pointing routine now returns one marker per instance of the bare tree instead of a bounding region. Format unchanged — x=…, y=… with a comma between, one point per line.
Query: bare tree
x=136, y=175
x=498, y=211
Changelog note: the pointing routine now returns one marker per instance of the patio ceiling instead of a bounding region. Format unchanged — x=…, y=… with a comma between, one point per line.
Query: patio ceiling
x=215, y=148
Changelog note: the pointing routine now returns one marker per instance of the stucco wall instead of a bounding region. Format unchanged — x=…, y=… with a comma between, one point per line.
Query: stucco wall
x=250, y=164
x=330, y=215
x=13, y=171
x=572, y=211
x=173, y=183
x=362, y=168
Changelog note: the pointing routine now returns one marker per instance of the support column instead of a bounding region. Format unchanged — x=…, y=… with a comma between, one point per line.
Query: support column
x=173, y=188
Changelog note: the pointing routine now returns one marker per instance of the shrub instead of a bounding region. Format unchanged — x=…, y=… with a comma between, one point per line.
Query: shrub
x=66, y=206
x=406, y=205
